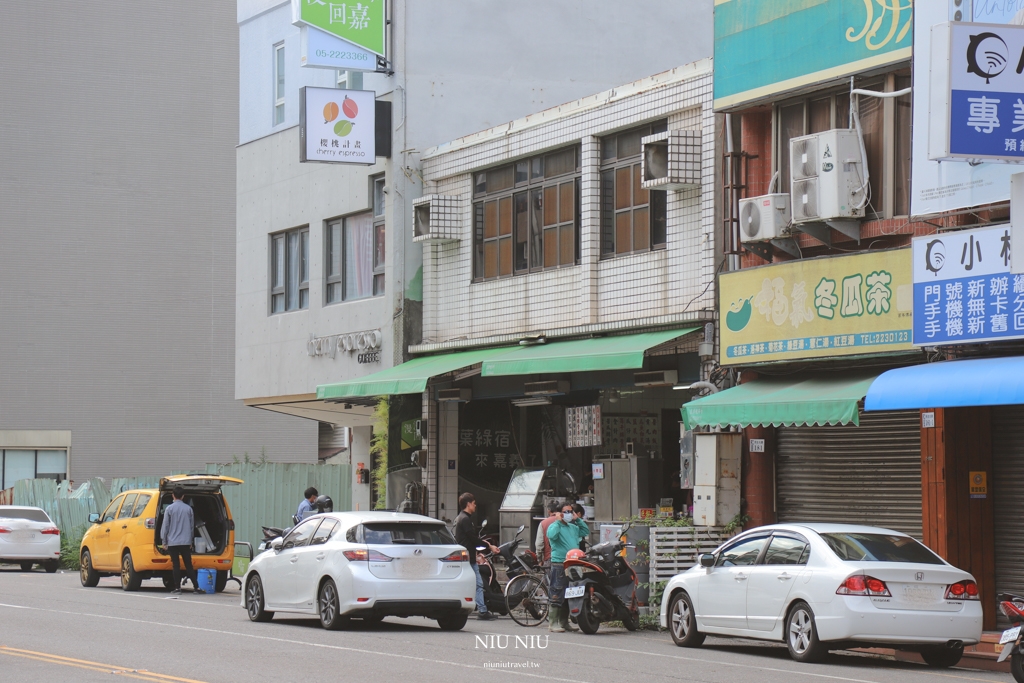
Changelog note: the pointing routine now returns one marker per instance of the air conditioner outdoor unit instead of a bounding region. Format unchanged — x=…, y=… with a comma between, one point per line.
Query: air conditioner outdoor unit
x=550, y=388
x=827, y=176
x=454, y=395
x=655, y=379
x=764, y=218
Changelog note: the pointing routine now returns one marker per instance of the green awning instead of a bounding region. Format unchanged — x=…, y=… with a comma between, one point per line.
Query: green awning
x=797, y=400
x=407, y=378
x=583, y=355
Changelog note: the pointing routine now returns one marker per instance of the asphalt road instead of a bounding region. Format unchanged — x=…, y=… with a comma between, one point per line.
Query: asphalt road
x=53, y=629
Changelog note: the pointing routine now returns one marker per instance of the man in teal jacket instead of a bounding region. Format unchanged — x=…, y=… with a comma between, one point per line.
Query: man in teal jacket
x=563, y=535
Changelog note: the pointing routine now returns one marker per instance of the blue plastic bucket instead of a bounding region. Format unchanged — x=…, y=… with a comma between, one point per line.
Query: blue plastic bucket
x=208, y=580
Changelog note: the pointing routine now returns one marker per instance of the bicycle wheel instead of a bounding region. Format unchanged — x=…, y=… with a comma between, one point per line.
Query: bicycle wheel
x=526, y=597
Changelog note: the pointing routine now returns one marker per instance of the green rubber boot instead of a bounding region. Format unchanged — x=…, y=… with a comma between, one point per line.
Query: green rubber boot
x=566, y=622
x=555, y=620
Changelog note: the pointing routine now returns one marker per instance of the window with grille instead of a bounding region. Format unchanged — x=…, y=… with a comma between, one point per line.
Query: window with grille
x=526, y=215
x=632, y=219
x=289, y=270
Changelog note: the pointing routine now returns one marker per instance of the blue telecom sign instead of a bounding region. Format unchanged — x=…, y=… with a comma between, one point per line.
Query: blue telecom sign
x=977, y=86
x=964, y=290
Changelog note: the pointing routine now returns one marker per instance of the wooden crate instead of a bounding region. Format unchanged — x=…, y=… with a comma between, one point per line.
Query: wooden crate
x=676, y=549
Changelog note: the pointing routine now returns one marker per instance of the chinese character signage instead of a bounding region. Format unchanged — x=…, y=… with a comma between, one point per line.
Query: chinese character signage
x=981, y=96
x=809, y=42
x=361, y=23
x=488, y=446
x=322, y=50
x=337, y=125
x=963, y=289
x=583, y=426
x=838, y=306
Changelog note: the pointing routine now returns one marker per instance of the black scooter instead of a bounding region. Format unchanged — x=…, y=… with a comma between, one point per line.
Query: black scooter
x=1012, y=641
x=494, y=592
x=602, y=587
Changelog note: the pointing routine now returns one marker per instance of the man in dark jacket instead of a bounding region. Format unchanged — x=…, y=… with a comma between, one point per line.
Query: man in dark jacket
x=467, y=536
x=176, y=533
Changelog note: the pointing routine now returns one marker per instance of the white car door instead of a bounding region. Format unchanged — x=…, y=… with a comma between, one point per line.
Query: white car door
x=279, y=569
x=771, y=581
x=722, y=592
x=306, y=571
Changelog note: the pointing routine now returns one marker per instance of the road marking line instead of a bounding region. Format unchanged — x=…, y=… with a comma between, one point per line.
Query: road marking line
x=4, y=648
x=124, y=672
x=382, y=653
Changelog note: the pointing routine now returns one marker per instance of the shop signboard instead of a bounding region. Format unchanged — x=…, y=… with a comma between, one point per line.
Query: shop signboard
x=361, y=23
x=583, y=426
x=811, y=308
x=977, y=92
x=810, y=41
x=946, y=186
x=964, y=291
x=488, y=446
x=337, y=126
x=322, y=50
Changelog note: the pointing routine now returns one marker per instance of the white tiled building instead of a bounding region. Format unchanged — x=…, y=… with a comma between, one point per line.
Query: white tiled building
x=595, y=292
x=544, y=228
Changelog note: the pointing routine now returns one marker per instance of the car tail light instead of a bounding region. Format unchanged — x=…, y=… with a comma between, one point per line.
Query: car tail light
x=150, y=522
x=963, y=590
x=4, y=530
x=51, y=531
x=366, y=556
x=457, y=556
x=863, y=585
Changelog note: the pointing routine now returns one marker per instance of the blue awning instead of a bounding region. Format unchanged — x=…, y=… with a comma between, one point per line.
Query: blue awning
x=949, y=384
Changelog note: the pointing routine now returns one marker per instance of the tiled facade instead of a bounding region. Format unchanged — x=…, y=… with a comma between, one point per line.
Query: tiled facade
x=663, y=286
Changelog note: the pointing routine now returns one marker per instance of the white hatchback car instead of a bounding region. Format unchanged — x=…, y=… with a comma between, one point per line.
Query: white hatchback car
x=28, y=536
x=367, y=565
x=821, y=587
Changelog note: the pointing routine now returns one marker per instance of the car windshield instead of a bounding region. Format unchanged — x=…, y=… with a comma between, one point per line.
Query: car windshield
x=879, y=548
x=414, y=533
x=30, y=515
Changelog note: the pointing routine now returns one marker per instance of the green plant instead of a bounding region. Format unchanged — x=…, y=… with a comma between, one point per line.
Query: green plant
x=736, y=523
x=652, y=620
x=379, y=450
x=70, y=544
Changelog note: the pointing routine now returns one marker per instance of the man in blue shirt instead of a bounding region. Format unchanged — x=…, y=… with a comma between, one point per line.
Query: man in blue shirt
x=176, y=534
x=308, y=504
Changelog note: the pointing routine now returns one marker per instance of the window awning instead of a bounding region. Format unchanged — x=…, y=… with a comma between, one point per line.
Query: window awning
x=407, y=378
x=624, y=352
x=949, y=384
x=790, y=401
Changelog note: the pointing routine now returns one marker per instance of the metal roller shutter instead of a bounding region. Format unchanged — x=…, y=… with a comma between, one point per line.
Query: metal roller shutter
x=869, y=474
x=1008, y=489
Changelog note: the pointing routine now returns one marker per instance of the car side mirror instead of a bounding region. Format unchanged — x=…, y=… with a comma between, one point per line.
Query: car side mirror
x=94, y=518
x=707, y=560
x=276, y=544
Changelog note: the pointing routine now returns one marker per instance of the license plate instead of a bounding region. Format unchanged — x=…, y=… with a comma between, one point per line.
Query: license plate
x=921, y=595
x=22, y=536
x=1009, y=635
x=413, y=567
x=575, y=591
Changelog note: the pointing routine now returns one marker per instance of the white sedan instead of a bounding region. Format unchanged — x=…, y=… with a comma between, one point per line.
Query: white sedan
x=28, y=536
x=367, y=565
x=827, y=586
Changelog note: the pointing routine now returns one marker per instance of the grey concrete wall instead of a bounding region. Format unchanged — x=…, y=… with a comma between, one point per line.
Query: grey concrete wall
x=118, y=122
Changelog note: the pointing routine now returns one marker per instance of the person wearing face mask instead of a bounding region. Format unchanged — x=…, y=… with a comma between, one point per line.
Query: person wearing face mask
x=581, y=515
x=563, y=535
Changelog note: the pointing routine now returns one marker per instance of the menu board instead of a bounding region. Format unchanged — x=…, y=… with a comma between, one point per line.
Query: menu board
x=643, y=430
x=583, y=426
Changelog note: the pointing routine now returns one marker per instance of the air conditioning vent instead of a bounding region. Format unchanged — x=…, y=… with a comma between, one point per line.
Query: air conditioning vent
x=805, y=199
x=655, y=379
x=454, y=395
x=803, y=159
x=551, y=388
x=764, y=218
